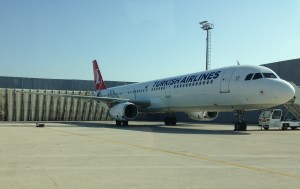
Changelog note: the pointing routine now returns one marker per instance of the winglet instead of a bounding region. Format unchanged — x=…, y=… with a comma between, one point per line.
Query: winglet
x=98, y=80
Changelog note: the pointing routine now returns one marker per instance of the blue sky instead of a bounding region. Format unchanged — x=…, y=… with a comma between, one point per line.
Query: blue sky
x=140, y=40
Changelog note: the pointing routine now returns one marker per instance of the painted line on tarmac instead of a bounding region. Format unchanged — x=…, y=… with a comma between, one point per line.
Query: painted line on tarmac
x=194, y=156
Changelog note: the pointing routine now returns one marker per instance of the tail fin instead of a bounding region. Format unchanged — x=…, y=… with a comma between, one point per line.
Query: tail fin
x=98, y=80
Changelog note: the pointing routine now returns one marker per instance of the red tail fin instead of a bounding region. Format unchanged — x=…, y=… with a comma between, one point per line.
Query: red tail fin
x=98, y=80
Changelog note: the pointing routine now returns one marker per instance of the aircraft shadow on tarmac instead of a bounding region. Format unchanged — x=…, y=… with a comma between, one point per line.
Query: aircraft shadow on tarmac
x=179, y=129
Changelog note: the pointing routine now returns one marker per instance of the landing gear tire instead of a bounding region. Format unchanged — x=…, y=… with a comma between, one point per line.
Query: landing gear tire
x=167, y=121
x=173, y=121
x=236, y=126
x=266, y=128
x=170, y=121
x=285, y=126
x=244, y=126
x=124, y=123
x=240, y=126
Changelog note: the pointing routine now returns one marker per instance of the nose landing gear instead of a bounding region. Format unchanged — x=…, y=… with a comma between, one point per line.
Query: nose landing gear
x=240, y=123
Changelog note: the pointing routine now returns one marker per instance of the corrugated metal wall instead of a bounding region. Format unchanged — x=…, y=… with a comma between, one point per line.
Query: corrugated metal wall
x=288, y=70
x=16, y=105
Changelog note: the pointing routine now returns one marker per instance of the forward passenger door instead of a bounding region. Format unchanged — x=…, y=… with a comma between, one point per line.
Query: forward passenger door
x=225, y=81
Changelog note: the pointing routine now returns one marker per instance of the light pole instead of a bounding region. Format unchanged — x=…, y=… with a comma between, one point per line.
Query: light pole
x=205, y=25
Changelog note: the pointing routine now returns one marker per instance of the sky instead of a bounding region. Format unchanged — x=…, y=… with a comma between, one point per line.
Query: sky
x=141, y=40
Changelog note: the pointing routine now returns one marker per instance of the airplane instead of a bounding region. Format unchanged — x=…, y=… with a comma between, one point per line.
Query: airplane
x=200, y=95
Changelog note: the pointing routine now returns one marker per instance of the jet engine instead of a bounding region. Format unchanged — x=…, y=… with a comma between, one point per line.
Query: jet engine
x=202, y=116
x=123, y=112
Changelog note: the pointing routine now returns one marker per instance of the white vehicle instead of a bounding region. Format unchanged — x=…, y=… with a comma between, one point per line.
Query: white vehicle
x=273, y=119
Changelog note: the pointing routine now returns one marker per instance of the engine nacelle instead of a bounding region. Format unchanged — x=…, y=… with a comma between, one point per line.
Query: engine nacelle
x=123, y=111
x=202, y=116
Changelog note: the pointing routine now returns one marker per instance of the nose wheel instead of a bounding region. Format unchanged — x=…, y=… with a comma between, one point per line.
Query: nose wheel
x=240, y=123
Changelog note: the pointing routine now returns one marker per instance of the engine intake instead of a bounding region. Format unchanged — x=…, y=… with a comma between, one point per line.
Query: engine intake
x=123, y=111
x=202, y=116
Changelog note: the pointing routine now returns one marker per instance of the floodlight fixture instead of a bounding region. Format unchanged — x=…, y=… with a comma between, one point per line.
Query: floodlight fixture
x=205, y=25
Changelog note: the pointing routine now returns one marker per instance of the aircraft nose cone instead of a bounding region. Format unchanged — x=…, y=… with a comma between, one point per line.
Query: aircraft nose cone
x=287, y=92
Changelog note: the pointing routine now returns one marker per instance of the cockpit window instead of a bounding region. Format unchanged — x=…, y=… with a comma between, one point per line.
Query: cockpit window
x=249, y=76
x=257, y=76
x=269, y=75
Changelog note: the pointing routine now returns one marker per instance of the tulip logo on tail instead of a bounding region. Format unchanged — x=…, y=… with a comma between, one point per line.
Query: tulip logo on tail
x=98, y=80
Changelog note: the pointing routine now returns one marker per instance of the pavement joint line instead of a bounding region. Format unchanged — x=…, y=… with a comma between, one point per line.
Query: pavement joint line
x=194, y=156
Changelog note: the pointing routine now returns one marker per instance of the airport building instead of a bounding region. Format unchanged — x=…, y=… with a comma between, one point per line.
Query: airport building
x=22, y=106
x=18, y=105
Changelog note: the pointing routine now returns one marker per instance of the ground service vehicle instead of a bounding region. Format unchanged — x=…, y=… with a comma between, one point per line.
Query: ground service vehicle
x=273, y=118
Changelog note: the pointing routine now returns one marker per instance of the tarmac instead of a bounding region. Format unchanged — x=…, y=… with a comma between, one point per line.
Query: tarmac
x=146, y=155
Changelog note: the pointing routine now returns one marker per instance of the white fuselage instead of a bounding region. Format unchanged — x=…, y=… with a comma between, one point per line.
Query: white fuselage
x=223, y=89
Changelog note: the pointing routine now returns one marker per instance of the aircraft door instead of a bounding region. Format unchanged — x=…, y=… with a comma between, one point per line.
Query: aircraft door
x=225, y=81
x=134, y=93
x=167, y=92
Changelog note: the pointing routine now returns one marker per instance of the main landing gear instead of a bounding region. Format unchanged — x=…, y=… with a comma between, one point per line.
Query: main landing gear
x=240, y=124
x=170, y=120
x=118, y=123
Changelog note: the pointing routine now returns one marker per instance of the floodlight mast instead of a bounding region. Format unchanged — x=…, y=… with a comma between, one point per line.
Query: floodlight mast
x=205, y=25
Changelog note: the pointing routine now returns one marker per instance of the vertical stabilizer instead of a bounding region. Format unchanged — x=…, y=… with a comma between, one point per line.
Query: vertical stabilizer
x=98, y=80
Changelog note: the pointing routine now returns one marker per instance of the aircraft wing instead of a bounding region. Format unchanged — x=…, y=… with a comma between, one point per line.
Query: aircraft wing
x=110, y=101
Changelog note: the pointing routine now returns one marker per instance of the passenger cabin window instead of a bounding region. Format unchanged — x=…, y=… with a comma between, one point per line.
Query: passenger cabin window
x=269, y=75
x=257, y=76
x=249, y=76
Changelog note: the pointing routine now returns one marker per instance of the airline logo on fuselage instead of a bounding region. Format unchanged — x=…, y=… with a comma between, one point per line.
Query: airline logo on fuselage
x=188, y=79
